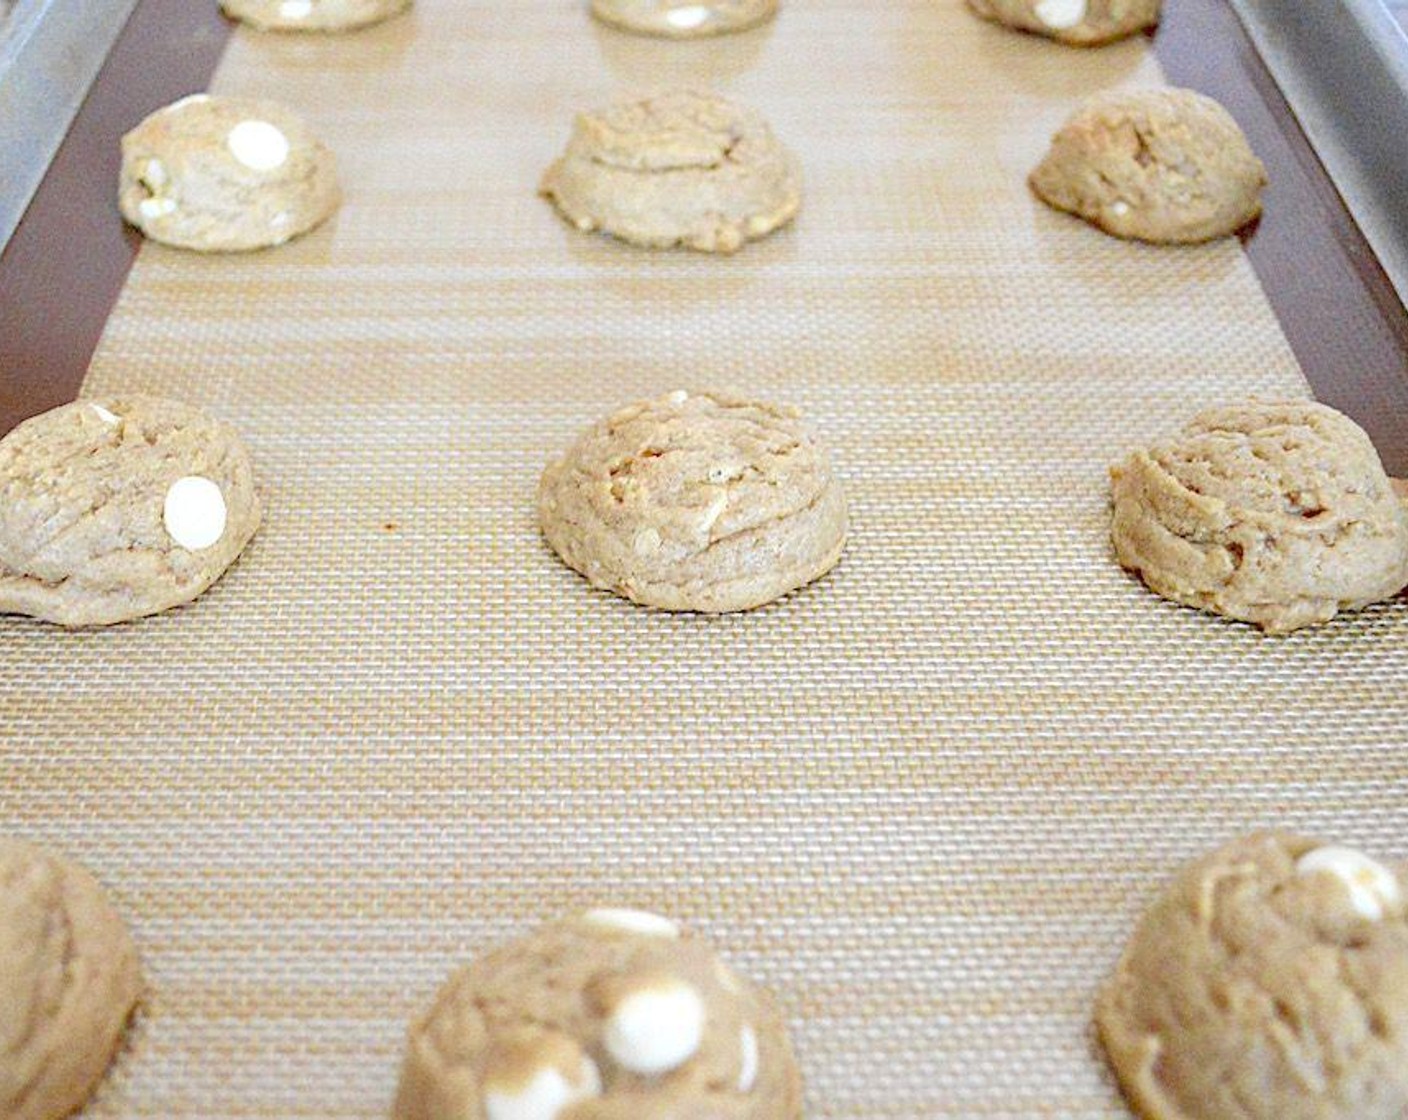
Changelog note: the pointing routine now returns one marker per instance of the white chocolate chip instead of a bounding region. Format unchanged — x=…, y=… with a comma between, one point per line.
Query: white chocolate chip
x=647, y=541
x=279, y=219
x=296, y=9
x=633, y=921
x=545, y=1097
x=151, y=208
x=258, y=145
x=748, y=1060
x=656, y=1029
x=1119, y=208
x=687, y=18
x=1373, y=888
x=103, y=414
x=154, y=175
x=678, y=397
x=714, y=512
x=1060, y=15
x=194, y=513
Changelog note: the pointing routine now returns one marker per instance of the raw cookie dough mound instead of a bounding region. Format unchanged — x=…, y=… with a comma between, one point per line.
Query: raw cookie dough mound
x=222, y=174
x=313, y=15
x=1270, y=982
x=1272, y=512
x=684, y=19
x=611, y=1015
x=115, y=508
x=1161, y=165
x=69, y=979
x=675, y=169
x=696, y=502
x=1082, y=23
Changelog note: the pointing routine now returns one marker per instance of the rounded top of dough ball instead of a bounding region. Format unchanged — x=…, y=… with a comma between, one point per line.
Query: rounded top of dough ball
x=1269, y=981
x=684, y=19
x=225, y=174
x=119, y=507
x=69, y=979
x=1081, y=23
x=611, y=1013
x=1273, y=512
x=680, y=168
x=313, y=15
x=1159, y=165
x=696, y=502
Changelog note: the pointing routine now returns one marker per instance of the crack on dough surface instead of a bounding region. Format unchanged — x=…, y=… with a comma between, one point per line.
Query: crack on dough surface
x=1277, y=513
x=700, y=502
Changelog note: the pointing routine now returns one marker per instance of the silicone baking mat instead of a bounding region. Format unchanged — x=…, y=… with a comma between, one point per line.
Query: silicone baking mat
x=923, y=800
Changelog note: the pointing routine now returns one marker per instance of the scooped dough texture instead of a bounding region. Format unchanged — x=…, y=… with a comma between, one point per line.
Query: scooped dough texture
x=696, y=502
x=1273, y=512
x=1081, y=23
x=1159, y=165
x=69, y=978
x=684, y=19
x=676, y=169
x=1254, y=991
x=83, y=531
x=313, y=15
x=568, y=1012
x=184, y=182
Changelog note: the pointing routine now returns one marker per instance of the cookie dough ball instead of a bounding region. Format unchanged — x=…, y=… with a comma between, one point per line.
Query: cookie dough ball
x=675, y=169
x=223, y=174
x=610, y=1015
x=684, y=19
x=1081, y=23
x=119, y=507
x=69, y=979
x=696, y=502
x=1161, y=165
x=1272, y=512
x=1270, y=982
x=313, y=15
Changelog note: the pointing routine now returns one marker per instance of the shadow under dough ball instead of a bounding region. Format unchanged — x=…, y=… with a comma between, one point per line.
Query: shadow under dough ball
x=1167, y=166
x=1268, y=982
x=119, y=507
x=1079, y=23
x=225, y=174
x=606, y=1015
x=695, y=502
x=684, y=19
x=1272, y=512
x=69, y=979
x=675, y=169
x=313, y=15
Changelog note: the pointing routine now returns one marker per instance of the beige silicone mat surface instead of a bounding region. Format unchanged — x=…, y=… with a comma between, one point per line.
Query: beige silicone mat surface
x=923, y=800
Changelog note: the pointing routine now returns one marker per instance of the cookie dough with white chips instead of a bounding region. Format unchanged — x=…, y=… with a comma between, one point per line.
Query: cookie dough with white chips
x=115, y=508
x=313, y=15
x=1167, y=166
x=696, y=502
x=224, y=174
x=69, y=980
x=1081, y=23
x=1272, y=512
x=684, y=19
x=1268, y=982
x=676, y=169
x=606, y=1015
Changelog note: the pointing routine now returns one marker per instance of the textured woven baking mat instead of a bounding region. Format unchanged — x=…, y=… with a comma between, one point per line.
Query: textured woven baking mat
x=923, y=800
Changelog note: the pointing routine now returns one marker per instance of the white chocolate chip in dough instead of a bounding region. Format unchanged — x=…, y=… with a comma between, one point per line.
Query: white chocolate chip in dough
x=157, y=207
x=633, y=921
x=1373, y=889
x=656, y=1029
x=544, y=1097
x=154, y=174
x=748, y=1060
x=103, y=414
x=714, y=512
x=678, y=397
x=258, y=145
x=1119, y=208
x=687, y=18
x=194, y=513
x=1061, y=15
x=296, y=9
